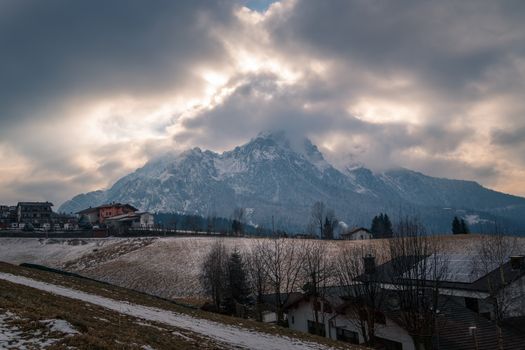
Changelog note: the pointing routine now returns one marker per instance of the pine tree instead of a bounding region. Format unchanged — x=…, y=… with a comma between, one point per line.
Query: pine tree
x=374, y=228
x=456, y=226
x=388, y=232
x=381, y=226
x=464, y=227
x=237, y=289
x=328, y=230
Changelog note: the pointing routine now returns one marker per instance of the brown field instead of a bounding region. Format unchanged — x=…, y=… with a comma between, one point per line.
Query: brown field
x=166, y=267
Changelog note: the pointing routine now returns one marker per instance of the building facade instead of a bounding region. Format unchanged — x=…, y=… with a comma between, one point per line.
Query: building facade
x=37, y=214
x=98, y=215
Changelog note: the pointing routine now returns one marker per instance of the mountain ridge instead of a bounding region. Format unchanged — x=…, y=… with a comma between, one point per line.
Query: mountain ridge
x=275, y=176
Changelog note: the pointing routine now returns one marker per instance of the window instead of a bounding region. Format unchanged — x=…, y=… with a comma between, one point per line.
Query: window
x=316, y=328
x=347, y=335
x=293, y=319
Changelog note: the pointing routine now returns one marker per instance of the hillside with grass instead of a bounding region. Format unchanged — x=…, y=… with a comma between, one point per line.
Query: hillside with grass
x=44, y=310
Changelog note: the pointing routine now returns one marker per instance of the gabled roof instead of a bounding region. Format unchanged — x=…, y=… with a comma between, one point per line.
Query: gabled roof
x=335, y=295
x=354, y=230
x=389, y=271
x=357, y=229
x=490, y=282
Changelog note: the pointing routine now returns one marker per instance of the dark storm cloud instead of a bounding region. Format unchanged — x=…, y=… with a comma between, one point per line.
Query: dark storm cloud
x=60, y=49
x=508, y=137
x=447, y=57
x=439, y=75
x=449, y=42
x=260, y=104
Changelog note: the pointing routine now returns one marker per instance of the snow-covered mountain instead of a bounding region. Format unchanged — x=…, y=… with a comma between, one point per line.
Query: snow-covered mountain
x=273, y=176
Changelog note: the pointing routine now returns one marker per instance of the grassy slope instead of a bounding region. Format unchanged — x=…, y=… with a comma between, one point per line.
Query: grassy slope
x=104, y=329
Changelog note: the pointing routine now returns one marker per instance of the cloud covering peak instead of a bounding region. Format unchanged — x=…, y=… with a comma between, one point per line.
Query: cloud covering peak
x=91, y=90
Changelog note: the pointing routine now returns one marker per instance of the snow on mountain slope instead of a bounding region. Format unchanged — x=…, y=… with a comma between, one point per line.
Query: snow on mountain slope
x=282, y=177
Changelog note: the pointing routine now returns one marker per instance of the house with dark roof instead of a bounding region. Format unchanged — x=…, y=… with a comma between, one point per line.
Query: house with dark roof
x=465, y=281
x=464, y=315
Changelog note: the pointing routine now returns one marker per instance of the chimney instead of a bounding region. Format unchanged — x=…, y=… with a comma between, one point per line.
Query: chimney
x=370, y=264
x=516, y=262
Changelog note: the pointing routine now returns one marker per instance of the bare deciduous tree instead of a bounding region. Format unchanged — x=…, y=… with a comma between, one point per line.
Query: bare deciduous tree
x=318, y=216
x=419, y=267
x=494, y=251
x=282, y=265
x=214, y=272
x=318, y=272
x=361, y=287
x=258, y=276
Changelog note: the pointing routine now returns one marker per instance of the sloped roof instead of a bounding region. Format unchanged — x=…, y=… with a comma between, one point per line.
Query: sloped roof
x=454, y=330
x=453, y=327
x=492, y=278
x=354, y=230
x=387, y=273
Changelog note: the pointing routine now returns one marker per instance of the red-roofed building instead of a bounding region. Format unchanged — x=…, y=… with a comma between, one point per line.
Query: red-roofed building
x=98, y=215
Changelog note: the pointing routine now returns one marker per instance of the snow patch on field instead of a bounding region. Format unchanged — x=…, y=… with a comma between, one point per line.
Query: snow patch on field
x=60, y=326
x=222, y=333
x=13, y=337
x=50, y=252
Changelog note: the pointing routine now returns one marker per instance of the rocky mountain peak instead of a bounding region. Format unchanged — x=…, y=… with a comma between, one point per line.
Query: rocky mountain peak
x=277, y=173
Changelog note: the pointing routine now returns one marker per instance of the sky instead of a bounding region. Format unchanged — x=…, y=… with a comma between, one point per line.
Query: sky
x=90, y=90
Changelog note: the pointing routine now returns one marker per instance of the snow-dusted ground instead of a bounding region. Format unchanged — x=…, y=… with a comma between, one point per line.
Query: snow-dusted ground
x=224, y=334
x=12, y=337
x=170, y=267
x=51, y=251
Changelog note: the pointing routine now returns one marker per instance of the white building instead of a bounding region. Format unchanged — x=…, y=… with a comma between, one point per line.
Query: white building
x=335, y=323
x=132, y=220
x=357, y=233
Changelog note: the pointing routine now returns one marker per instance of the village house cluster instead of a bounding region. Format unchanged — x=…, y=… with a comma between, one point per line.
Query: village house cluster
x=35, y=216
x=39, y=216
